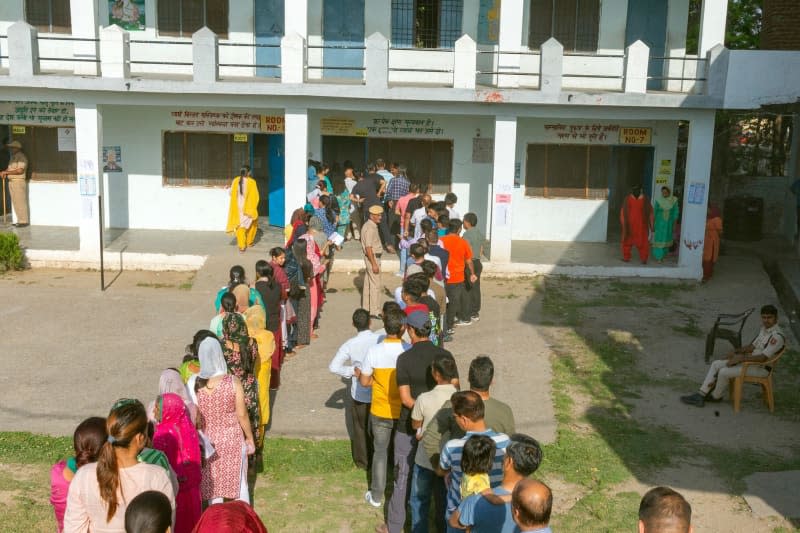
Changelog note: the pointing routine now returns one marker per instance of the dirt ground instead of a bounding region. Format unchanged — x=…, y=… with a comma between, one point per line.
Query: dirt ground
x=69, y=351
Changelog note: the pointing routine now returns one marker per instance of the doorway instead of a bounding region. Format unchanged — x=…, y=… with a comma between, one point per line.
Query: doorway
x=267, y=161
x=630, y=165
x=343, y=37
x=647, y=22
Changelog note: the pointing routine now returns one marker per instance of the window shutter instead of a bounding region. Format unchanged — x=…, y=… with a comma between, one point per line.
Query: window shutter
x=169, y=17
x=217, y=17
x=174, y=168
x=37, y=13
x=536, y=170
x=402, y=23
x=450, y=14
x=564, y=23
x=192, y=16
x=541, y=19
x=62, y=20
x=588, y=24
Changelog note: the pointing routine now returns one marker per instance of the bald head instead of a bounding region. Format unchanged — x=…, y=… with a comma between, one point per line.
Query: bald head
x=664, y=510
x=531, y=503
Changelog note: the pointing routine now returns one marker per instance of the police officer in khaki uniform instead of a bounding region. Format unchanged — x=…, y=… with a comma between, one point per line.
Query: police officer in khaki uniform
x=16, y=172
x=371, y=245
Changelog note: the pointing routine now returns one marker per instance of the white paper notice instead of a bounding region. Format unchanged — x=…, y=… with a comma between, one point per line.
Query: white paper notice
x=66, y=139
x=86, y=207
x=502, y=215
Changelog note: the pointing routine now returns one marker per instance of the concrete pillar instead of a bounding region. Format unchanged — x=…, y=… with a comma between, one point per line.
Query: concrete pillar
x=465, y=63
x=85, y=25
x=293, y=58
x=378, y=17
x=637, y=57
x=511, y=14
x=295, y=14
x=376, y=61
x=469, y=18
x=713, y=16
x=716, y=73
x=505, y=148
x=23, y=50
x=115, y=52
x=296, y=131
x=551, y=67
x=695, y=192
x=205, y=56
x=88, y=146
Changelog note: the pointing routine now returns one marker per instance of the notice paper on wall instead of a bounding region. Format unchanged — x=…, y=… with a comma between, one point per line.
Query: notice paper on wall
x=697, y=193
x=66, y=139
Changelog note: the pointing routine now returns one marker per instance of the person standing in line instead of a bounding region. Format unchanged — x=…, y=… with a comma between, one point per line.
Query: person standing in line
x=460, y=261
x=711, y=241
x=386, y=176
x=475, y=239
x=347, y=363
x=243, y=209
x=372, y=249
x=350, y=182
x=414, y=377
x=16, y=174
x=666, y=213
x=663, y=510
x=450, y=200
x=531, y=504
x=379, y=371
x=636, y=217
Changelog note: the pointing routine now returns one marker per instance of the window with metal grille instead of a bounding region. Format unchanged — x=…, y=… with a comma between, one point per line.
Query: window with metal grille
x=428, y=162
x=181, y=18
x=202, y=159
x=45, y=161
x=573, y=23
x=426, y=23
x=567, y=171
x=50, y=16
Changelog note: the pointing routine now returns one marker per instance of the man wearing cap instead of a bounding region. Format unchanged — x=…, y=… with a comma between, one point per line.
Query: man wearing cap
x=371, y=246
x=16, y=174
x=414, y=377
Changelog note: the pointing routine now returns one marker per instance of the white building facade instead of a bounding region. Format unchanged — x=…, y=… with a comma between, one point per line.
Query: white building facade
x=538, y=114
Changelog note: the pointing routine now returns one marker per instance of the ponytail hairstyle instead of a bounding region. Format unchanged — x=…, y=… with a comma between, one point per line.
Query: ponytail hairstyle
x=88, y=440
x=244, y=172
x=228, y=303
x=265, y=270
x=327, y=203
x=126, y=420
x=236, y=276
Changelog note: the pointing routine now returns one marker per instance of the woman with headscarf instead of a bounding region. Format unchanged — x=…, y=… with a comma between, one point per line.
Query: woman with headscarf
x=315, y=254
x=243, y=209
x=230, y=517
x=176, y=436
x=666, y=213
x=711, y=241
x=225, y=421
x=256, y=329
x=300, y=268
x=241, y=356
x=171, y=382
x=272, y=294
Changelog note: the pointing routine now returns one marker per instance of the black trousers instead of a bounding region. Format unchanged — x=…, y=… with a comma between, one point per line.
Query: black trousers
x=473, y=296
x=361, y=444
x=456, y=303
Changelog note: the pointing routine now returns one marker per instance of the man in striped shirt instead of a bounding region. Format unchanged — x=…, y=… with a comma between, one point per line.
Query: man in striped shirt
x=468, y=411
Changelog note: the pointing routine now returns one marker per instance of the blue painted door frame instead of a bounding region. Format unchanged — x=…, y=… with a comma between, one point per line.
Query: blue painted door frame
x=647, y=22
x=269, y=29
x=343, y=30
x=276, y=159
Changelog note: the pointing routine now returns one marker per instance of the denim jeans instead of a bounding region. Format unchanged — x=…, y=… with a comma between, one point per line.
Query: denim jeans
x=405, y=448
x=420, y=500
x=403, y=260
x=382, y=432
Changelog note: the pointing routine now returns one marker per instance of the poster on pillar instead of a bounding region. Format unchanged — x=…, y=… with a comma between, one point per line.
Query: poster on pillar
x=127, y=14
x=112, y=159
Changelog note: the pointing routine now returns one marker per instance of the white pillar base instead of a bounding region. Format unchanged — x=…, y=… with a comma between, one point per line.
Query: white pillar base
x=296, y=131
x=505, y=148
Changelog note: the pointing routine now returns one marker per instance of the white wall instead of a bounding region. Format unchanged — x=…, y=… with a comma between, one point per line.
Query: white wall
x=574, y=219
x=137, y=197
x=760, y=77
x=54, y=204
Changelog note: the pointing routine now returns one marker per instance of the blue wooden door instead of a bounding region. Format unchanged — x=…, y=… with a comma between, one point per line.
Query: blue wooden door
x=269, y=29
x=343, y=31
x=277, y=181
x=647, y=22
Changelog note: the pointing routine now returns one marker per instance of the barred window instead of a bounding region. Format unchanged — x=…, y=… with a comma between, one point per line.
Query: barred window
x=426, y=23
x=181, y=18
x=428, y=162
x=45, y=161
x=50, y=16
x=573, y=23
x=567, y=171
x=202, y=159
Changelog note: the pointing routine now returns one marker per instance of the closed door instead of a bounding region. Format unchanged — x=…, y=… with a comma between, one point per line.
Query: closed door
x=269, y=29
x=277, y=181
x=647, y=22
x=343, y=36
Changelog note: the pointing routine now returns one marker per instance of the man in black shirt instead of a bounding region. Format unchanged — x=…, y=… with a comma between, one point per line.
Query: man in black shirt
x=414, y=377
x=365, y=194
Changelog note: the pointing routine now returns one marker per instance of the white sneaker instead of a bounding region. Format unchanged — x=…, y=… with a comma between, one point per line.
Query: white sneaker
x=369, y=500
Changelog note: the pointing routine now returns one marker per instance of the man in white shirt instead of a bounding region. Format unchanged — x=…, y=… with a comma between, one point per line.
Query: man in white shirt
x=347, y=363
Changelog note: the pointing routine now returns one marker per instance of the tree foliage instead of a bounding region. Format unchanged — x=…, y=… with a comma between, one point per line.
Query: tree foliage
x=741, y=32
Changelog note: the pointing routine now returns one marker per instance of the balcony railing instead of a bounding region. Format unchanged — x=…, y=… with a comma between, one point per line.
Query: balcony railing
x=374, y=64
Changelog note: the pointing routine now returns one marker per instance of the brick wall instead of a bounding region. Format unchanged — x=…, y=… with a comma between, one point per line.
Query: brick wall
x=780, y=29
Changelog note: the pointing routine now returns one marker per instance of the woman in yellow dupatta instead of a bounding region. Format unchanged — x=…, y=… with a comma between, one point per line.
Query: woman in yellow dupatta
x=256, y=320
x=243, y=210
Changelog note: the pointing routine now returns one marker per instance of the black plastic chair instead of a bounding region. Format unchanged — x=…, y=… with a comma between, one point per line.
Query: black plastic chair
x=728, y=327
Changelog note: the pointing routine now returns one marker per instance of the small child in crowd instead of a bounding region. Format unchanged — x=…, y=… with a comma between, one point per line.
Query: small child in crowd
x=476, y=462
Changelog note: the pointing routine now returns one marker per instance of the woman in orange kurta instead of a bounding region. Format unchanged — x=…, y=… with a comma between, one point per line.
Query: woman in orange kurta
x=243, y=210
x=636, y=217
x=711, y=241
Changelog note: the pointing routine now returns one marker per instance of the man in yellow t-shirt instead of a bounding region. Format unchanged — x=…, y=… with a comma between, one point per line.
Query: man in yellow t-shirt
x=379, y=371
